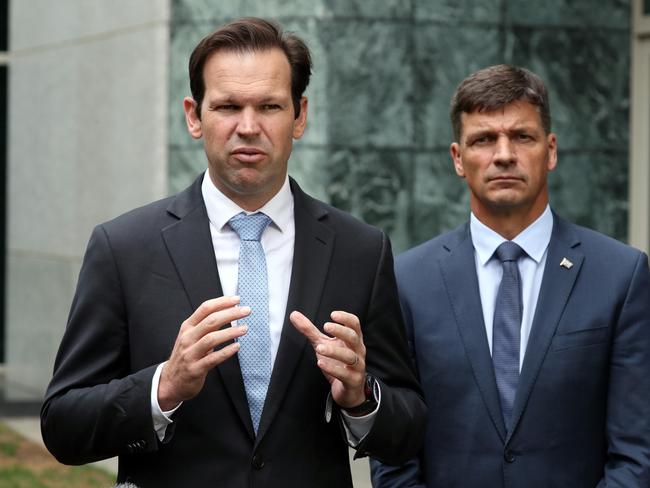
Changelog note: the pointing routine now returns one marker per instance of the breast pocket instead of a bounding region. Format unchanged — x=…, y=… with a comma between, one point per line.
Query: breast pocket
x=580, y=338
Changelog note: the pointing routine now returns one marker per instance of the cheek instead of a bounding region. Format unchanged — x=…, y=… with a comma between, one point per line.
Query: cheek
x=216, y=136
x=540, y=169
x=282, y=138
x=541, y=177
x=472, y=171
x=475, y=180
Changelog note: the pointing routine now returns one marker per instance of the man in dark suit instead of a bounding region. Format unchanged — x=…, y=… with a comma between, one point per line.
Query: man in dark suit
x=150, y=369
x=531, y=335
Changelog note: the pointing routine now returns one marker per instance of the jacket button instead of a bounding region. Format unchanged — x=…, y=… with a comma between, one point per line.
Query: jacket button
x=258, y=463
x=509, y=456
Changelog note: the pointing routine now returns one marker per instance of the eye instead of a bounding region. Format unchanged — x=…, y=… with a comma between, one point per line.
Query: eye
x=270, y=107
x=524, y=137
x=482, y=140
x=226, y=107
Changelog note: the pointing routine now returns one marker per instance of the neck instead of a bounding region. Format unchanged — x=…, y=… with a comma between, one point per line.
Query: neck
x=250, y=204
x=251, y=200
x=508, y=223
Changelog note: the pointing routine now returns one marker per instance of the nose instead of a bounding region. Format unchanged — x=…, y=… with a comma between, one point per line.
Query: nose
x=248, y=124
x=504, y=151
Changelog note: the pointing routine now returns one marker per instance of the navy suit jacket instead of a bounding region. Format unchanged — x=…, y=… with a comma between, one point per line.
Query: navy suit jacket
x=581, y=415
x=143, y=274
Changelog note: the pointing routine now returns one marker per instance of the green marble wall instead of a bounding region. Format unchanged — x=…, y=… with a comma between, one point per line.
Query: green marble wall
x=378, y=135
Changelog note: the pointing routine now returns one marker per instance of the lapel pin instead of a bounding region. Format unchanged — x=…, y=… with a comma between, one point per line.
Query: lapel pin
x=565, y=263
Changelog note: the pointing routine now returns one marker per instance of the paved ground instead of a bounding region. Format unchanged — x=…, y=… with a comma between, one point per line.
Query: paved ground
x=30, y=428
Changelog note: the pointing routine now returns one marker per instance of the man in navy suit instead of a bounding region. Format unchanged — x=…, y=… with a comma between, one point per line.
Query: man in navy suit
x=536, y=370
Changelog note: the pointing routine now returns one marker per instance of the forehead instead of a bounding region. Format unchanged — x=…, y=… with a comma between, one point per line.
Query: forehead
x=229, y=70
x=519, y=114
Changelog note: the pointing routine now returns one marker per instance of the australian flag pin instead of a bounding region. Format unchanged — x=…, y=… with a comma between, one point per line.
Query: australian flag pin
x=565, y=263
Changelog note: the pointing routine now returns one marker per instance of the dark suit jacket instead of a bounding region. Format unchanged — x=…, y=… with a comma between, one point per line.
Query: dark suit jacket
x=582, y=411
x=147, y=271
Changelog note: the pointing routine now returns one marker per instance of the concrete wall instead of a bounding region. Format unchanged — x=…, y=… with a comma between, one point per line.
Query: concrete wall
x=87, y=141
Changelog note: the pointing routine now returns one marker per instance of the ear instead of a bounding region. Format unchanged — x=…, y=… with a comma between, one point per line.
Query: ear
x=551, y=140
x=454, y=150
x=192, y=118
x=300, y=123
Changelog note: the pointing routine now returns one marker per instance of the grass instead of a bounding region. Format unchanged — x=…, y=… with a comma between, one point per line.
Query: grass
x=24, y=464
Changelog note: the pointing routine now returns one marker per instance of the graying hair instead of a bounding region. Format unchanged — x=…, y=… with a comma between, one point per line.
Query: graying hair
x=495, y=87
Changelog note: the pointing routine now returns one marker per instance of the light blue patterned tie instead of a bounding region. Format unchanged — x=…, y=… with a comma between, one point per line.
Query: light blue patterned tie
x=252, y=287
x=506, y=329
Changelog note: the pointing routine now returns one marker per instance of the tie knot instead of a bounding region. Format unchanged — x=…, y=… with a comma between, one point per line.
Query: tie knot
x=509, y=251
x=249, y=227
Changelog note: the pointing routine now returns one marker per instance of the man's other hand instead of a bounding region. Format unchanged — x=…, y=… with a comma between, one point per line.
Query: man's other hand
x=341, y=357
x=194, y=353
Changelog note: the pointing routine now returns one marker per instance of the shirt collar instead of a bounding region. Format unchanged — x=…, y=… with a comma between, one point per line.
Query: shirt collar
x=221, y=208
x=533, y=239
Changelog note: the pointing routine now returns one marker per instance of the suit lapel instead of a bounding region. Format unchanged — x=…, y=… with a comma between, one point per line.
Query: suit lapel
x=555, y=289
x=189, y=244
x=459, y=274
x=314, y=243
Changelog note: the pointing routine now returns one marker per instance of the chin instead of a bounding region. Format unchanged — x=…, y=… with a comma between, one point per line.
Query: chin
x=254, y=185
x=503, y=204
x=248, y=179
x=506, y=197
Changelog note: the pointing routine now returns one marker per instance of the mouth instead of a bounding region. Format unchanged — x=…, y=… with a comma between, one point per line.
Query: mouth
x=248, y=154
x=505, y=179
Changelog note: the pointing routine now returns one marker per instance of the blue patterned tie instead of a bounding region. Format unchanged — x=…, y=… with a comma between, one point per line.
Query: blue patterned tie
x=507, y=327
x=252, y=287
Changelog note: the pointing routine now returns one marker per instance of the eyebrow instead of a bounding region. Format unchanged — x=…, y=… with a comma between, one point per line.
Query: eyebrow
x=229, y=99
x=514, y=130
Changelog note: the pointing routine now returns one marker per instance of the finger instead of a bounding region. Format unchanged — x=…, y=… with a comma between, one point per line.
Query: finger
x=211, y=306
x=217, y=357
x=214, y=339
x=349, y=377
x=346, y=334
x=307, y=328
x=348, y=319
x=342, y=354
x=217, y=320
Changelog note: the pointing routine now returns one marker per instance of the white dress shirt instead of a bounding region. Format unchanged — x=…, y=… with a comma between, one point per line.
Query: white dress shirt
x=534, y=241
x=278, y=244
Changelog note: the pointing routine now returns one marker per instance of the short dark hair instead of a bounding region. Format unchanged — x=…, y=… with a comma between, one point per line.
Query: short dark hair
x=247, y=35
x=495, y=87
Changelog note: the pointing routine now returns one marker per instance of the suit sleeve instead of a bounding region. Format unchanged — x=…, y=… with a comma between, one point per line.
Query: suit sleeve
x=628, y=404
x=94, y=407
x=398, y=430
x=408, y=474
